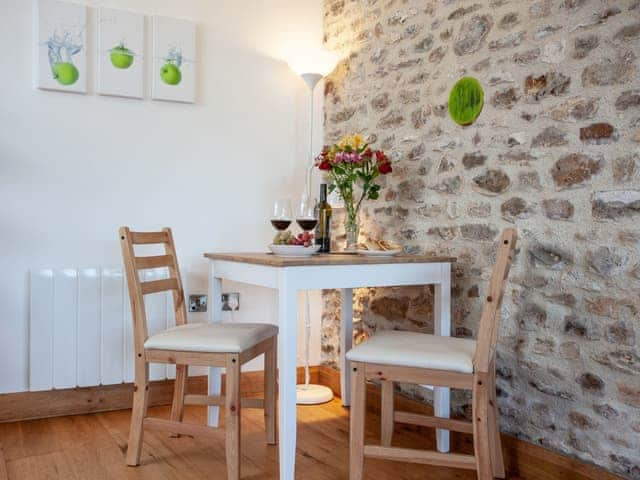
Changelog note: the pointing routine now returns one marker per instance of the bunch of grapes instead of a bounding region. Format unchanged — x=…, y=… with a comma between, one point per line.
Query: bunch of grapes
x=304, y=239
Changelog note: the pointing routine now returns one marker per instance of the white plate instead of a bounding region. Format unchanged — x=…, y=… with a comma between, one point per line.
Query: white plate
x=293, y=250
x=380, y=253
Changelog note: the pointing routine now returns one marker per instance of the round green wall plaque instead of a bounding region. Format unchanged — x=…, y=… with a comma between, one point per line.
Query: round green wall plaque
x=466, y=101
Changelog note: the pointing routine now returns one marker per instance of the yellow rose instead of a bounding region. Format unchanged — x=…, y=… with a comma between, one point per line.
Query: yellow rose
x=345, y=142
x=353, y=141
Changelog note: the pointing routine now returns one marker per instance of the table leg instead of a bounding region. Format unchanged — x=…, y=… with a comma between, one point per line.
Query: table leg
x=215, y=374
x=442, y=326
x=346, y=342
x=287, y=342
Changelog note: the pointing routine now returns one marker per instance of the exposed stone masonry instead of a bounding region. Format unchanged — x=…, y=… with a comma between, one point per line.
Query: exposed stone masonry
x=555, y=152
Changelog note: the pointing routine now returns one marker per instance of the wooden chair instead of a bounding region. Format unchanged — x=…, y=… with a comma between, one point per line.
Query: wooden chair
x=442, y=361
x=211, y=345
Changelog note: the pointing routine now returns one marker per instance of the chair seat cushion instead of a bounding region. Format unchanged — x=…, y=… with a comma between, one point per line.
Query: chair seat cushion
x=211, y=337
x=420, y=350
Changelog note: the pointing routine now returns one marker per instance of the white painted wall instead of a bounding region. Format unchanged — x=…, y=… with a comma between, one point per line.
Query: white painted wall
x=75, y=167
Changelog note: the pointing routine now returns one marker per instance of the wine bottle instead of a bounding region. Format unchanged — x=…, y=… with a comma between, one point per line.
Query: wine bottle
x=323, y=229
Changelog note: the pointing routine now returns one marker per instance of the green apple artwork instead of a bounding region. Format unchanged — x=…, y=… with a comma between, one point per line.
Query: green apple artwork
x=61, y=46
x=121, y=59
x=170, y=72
x=119, y=48
x=174, y=60
x=121, y=56
x=65, y=72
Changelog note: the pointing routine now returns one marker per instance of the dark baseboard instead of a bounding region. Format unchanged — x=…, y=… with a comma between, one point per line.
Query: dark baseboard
x=103, y=398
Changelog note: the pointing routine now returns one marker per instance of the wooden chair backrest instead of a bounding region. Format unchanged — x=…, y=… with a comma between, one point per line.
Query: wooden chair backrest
x=490, y=319
x=138, y=289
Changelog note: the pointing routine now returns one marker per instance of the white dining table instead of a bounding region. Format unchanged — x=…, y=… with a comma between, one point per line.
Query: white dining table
x=330, y=271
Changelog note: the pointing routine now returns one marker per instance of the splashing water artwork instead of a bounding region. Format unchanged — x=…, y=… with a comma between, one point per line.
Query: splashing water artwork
x=120, y=53
x=61, y=52
x=62, y=48
x=174, y=60
x=170, y=72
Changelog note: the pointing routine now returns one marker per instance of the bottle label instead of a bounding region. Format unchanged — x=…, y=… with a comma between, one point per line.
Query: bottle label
x=323, y=235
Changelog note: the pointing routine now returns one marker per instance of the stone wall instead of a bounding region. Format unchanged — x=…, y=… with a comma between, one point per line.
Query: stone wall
x=555, y=152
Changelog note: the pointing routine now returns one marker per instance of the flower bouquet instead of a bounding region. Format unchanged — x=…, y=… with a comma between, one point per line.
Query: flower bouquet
x=352, y=168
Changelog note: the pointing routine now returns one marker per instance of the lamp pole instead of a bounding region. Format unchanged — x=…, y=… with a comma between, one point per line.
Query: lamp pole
x=311, y=79
x=308, y=394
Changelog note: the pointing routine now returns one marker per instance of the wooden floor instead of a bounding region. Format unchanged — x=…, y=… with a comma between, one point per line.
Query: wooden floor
x=88, y=447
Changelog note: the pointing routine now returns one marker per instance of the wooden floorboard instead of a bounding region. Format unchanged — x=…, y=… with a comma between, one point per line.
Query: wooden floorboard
x=88, y=447
x=93, y=446
x=3, y=465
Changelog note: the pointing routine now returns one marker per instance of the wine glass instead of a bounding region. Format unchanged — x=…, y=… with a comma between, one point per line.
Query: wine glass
x=281, y=217
x=307, y=214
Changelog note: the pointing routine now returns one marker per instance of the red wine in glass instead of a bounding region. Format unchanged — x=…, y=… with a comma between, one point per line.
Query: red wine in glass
x=281, y=217
x=307, y=224
x=307, y=216
x=280, y=224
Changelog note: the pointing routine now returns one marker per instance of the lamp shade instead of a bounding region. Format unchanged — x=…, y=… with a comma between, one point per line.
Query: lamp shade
x=319, y=61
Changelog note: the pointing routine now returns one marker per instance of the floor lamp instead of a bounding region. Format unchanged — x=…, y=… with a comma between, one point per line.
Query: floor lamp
x=308, y=393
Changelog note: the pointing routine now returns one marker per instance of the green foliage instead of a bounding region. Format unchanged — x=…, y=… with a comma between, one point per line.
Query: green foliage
x=352, y=168
x=466, y=101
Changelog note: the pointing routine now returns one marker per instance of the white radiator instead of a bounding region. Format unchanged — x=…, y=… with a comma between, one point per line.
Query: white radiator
x=80, y=327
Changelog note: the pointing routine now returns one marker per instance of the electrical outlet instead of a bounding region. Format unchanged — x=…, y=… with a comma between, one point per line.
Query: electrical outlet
x=197, y=303
x=230, y=301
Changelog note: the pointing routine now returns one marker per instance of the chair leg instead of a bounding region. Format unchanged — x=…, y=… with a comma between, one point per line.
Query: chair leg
x=232, y=417
x=270, y=385
x=386, y=413
x=497, y=459
x=358, y=411
x=138, y=413
x=481, y=427
x=179, y=391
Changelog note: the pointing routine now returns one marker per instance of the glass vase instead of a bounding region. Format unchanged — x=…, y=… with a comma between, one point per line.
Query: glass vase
x=352, y=229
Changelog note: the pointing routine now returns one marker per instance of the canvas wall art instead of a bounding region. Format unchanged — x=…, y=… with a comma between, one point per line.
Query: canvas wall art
x=121, y=40
x=174, y=73
x=61, y=56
